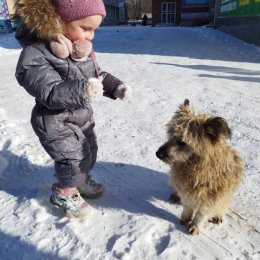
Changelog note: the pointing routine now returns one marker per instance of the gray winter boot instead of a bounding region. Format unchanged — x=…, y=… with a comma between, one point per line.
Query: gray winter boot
x=91, y=189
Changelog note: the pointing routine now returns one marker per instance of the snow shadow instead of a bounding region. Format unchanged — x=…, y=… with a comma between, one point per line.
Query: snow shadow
x=8, y=41
x=132, y=188
x=239, y=74
x=229, y=70
x=14, y=247
x=248, y=79
x=26, y=181
x=135, y=189
x=190, y=42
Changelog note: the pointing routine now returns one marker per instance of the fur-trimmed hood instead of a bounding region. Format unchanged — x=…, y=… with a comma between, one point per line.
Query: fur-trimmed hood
x=40, y=17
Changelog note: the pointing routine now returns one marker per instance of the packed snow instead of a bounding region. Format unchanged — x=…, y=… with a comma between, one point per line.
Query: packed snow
x=134, y=219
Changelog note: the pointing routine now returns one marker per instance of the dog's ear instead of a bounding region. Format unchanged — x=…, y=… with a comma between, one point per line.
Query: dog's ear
x=185, y=105
x=186, y=102
x=214, y=127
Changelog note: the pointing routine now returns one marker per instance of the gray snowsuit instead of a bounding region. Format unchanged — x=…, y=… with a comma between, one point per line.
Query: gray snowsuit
x=61, y=117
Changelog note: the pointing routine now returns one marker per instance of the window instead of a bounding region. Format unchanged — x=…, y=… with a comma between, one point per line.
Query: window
x=168, y=13
x=112, y=12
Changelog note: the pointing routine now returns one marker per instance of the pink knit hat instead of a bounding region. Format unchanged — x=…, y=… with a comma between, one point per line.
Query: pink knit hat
x=71, y=10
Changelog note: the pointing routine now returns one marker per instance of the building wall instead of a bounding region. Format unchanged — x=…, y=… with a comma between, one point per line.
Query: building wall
x=188, y=12
x=240, y=18
x=194, y=12
x=156, y=11
x=116, y=13
x=10, y=4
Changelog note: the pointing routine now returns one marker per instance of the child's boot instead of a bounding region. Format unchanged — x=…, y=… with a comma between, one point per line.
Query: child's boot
x=69, y=199
x=91, y=189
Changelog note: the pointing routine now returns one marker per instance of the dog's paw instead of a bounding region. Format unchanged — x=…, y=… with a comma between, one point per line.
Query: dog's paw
x=185, y=221
x=194, y=230
x=216, y=220
x=174, y=198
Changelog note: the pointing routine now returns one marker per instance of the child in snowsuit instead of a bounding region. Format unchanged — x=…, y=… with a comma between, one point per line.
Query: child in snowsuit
x=58, y=67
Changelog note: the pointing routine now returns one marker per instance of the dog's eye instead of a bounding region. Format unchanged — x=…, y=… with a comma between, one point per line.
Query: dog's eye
x=180, y=143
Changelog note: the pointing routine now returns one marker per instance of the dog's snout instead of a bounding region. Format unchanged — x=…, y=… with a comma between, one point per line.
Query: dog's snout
x=160, y=153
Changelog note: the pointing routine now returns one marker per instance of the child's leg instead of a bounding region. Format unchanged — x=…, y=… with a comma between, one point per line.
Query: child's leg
x=90, y=188
x=72, y=158
x=92, y=141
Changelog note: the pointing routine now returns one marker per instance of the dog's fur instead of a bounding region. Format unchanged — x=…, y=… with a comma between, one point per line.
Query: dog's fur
x=205, y=170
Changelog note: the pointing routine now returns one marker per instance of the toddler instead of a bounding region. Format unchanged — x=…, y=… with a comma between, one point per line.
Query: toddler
x=58, y=67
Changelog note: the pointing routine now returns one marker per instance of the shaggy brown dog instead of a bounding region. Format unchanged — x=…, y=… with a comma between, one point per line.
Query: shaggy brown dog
x=205, y=170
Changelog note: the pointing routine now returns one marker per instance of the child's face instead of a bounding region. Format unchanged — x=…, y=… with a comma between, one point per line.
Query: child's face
x=83, y=28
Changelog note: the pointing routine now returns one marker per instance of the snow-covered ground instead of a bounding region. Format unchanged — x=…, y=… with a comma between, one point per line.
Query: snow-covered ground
x=134, y=219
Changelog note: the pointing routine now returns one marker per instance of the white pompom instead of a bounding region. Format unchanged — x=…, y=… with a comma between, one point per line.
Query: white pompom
x=123, y=91
x=93, y=89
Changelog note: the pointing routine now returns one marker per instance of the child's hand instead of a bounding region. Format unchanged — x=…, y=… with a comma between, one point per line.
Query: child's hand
x=93, y=90
x=123, y=92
